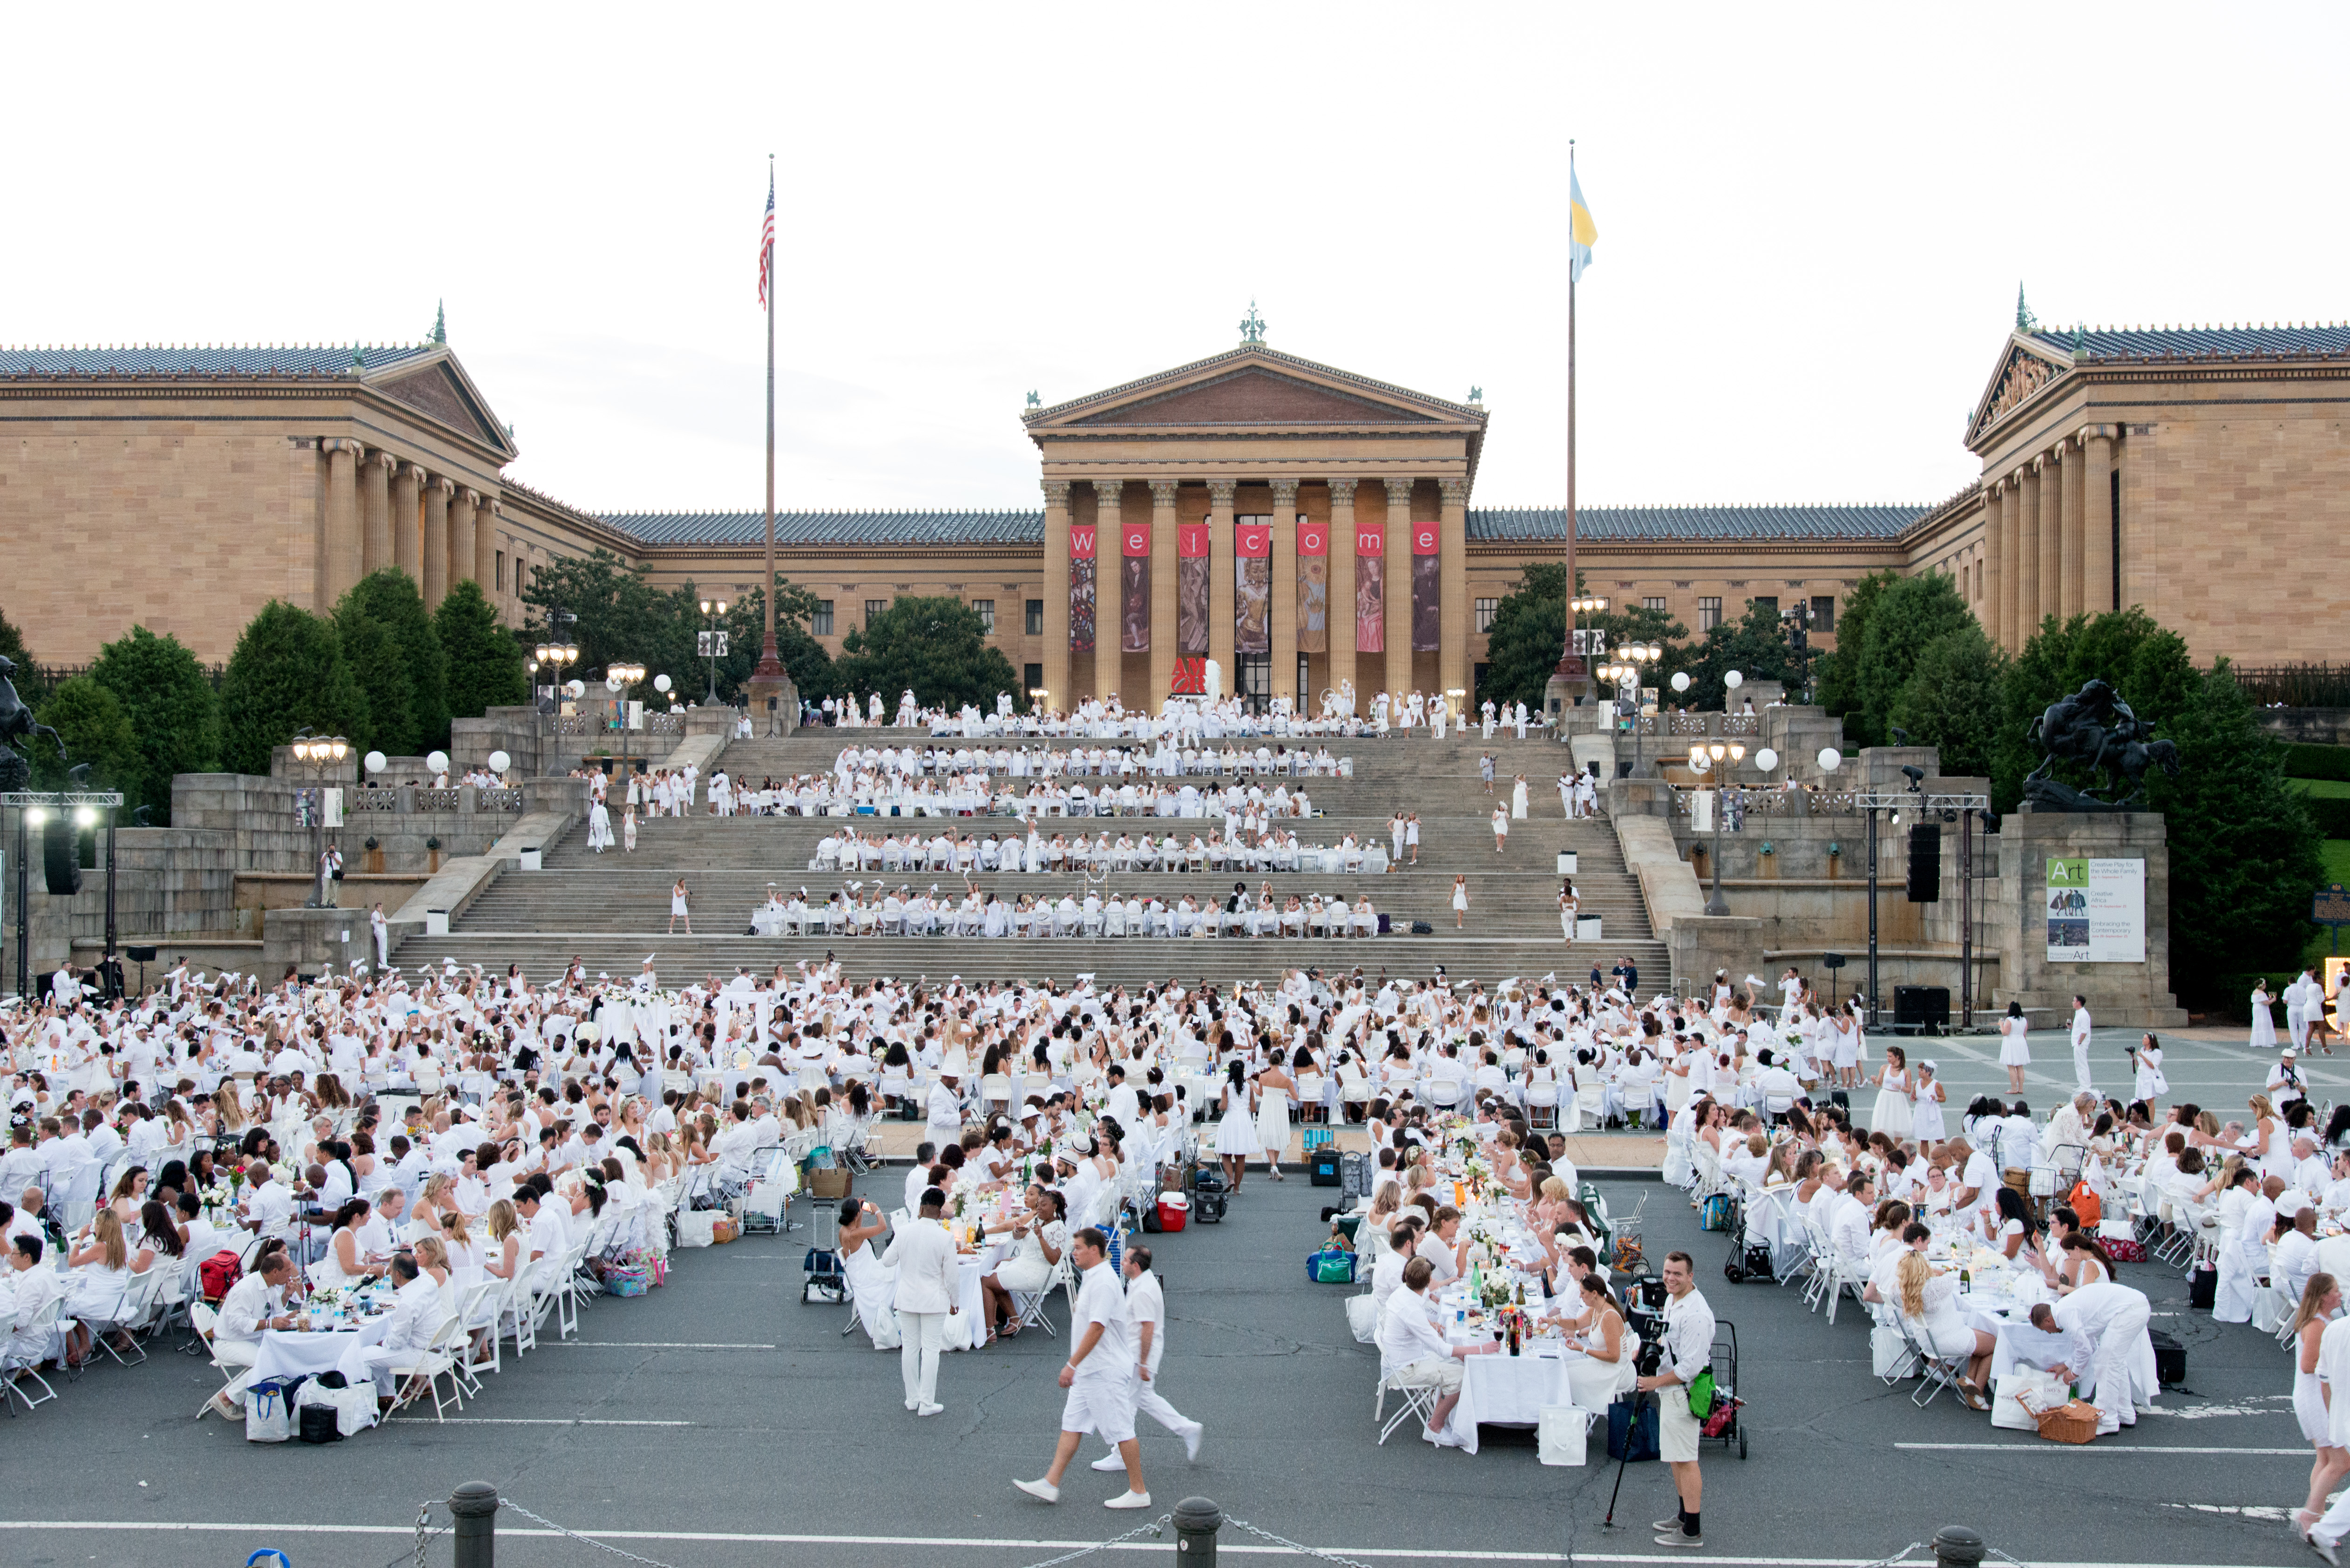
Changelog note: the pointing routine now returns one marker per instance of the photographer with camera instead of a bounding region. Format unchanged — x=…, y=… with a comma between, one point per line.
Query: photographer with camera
x=1687, y=1347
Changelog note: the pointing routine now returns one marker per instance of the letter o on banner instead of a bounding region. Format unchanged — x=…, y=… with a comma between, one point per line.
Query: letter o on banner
x=1313, y=538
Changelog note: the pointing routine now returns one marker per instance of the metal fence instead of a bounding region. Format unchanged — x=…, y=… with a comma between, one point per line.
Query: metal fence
x=2296, y=685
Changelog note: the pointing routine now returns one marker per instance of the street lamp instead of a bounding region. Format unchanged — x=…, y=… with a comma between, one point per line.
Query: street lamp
x=553, y=657
x=617, y=679
x=712, y=642
x=1631, y=659
x=1701, y=757
x=319, y=752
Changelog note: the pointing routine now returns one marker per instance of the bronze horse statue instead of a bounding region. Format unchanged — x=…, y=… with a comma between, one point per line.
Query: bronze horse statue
x=2096, y=728
x=15, y=719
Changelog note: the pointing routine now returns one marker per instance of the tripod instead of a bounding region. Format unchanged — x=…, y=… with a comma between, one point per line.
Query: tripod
x=1631, y=1436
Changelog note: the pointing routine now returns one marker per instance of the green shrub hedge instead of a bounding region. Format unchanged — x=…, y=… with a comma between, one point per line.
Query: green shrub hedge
x=2303, y=762
x=2331, y=813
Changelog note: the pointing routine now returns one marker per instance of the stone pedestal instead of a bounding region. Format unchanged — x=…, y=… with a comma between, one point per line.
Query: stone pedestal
x=775, y=705
x=1700, y=944
x=2137, y=995
x=1560, y=696
x=310, y=938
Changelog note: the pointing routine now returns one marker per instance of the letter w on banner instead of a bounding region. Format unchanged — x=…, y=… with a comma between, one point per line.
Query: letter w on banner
x=1135, y=586
x=1253, y=585
x=1081, y=588
x=1370, y=591
x=1191, y=590
x=1313, y=586
x=1427, y=590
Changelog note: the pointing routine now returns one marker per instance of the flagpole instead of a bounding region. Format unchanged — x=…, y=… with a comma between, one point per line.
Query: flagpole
x=770, y=667
x=1567, y=652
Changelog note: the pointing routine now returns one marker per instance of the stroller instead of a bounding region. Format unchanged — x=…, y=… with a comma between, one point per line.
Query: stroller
x=1723, y=1425
x=1749, y=1254
x=1628, y=1257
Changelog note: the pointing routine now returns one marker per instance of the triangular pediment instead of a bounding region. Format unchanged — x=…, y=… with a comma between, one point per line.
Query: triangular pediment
x=439, y=387
x=1258, y=388
x=2023, y=373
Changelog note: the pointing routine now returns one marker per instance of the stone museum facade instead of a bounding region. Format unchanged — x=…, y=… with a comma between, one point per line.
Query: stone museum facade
x=1300, y=525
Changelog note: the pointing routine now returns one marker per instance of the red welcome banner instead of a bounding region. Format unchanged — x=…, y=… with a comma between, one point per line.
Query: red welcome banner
x=1313, y=538
x=1370, y=539
x=1138, y=538
x=1253, y=541
x=1191, y=541
x=1423, y=538
x=1081, y=542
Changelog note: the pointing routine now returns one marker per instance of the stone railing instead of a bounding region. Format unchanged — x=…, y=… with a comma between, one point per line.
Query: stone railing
x=372, y=797
x=497, y=800
x=1764, y=800
x=664, y=724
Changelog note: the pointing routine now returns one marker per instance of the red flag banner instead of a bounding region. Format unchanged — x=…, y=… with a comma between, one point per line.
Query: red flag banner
x=1253, y=541
x=1081, y=542
x=1423, y=538
x=1191, y=541
x=1138, y=539
x=1313, y=538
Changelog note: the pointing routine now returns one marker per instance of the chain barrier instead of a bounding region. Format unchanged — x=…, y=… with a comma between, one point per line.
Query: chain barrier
x=414, y=1558
x=1155, y=1526
x=1889, y=1561
x=1293, y=1546
x=587, y=1540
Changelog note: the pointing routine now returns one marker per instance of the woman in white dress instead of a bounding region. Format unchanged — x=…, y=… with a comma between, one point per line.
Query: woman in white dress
x=1461, y=899
x=1844, y=1035
x=1237, y=1139
x=1890, y=1115
x=2319, y=1301
x=1500, y=828
x=1929, y=1300
x=1518, y=798
x=1926, y=1097
x=677, y=909
x=599, y=828
x=872, y=1283
x=1275, y=1088
x=2015, y=1049
x=1570, y=909
x=1609, y=1364
x=2263, y=1017
x=629, y=830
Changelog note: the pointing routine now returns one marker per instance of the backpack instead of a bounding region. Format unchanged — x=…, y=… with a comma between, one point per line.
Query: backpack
x=218, y=1274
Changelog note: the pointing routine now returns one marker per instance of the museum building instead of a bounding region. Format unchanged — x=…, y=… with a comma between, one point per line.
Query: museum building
x=1302, y=525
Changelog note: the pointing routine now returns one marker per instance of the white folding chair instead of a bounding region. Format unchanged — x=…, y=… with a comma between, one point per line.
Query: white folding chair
x=1414, y=1401
x=16, y=1369
x=429, y=1364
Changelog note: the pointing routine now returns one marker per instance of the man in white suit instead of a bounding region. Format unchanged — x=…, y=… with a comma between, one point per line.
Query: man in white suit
x=924, y=1256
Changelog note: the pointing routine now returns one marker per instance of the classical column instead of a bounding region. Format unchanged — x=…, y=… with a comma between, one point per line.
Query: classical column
x=1281, y=619
x=407, y=531
x=1341, y=590
x=2027, y=556
x=2068, y=476
x=1452, y=577
x=1219, y=580
x=1164, y=572
x=461, y=534
x=1109, y=586
x=339, y=539
x=1991, y=612
x=2052, y=533
x=2097, y=518
x=1057, y=594
x=435, y=587
x=485, y=548
x=1396, y=570
x=375, y=497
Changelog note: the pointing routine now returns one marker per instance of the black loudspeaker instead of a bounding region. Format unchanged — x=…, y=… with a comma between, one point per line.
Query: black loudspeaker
x=61, y=856
x=1925, y=863
x=1921, y=1007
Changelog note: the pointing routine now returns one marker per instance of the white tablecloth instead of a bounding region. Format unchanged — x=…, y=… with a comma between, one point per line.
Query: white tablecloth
x=1507, y=1390
x=966, y=1330
x=284, y=1352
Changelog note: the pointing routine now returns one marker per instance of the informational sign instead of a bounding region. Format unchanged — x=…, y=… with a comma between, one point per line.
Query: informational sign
x=334, y=803
x=2096, y=910
x=2330, y=905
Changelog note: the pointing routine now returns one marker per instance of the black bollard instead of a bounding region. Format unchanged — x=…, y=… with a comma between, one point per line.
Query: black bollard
x=474, y=1506
x=1196, y=1522
x=1956, y=1546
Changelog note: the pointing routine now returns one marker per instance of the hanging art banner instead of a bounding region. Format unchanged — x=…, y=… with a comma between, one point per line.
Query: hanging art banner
x=1313, y=586
x=1191, y=590
x=1427, y=605
x=1135, y=541
x=1370, y=592
x=1252, y=585
x=1081, y=589
x=2096, y=910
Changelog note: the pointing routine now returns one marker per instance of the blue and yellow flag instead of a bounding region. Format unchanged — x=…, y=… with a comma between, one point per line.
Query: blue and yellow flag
x=1581, y=232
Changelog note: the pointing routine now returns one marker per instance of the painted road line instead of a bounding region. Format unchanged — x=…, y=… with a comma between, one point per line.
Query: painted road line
x=523, y=1421
x=650, y=1345
x=2092, y=1448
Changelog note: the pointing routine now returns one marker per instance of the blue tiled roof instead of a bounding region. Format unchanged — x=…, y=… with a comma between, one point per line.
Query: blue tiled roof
x=233, y=360
x=837, y=528
x=1499, y=525
x=2274, y=339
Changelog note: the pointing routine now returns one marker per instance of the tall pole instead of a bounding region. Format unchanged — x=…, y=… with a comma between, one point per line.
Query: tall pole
x=1568, y=650
x=770, y=667
x=1966, y=918
x=1872, y=915
x=23, y=896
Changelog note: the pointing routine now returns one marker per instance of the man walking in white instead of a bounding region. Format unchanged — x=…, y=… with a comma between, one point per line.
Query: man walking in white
x=2298, y=997
x=1688, y=1351
x=924, y=1256
x=2108, y=1325
x=2081, y=1045
x=1099, y=1375
x=2333, y=1370
x=1146, y=1310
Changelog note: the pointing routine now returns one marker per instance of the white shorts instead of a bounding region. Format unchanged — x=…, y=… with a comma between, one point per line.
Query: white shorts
x=1442, y=1374
x=1679, y=1431
x=1103, y=1406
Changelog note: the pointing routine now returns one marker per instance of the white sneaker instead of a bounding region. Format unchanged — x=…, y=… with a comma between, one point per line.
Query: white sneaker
x=1130, y=1499
x=1042, y=1491
x=1110, y=1462
x=928, y=1409
x=912, y=1404
x=1192, y=1442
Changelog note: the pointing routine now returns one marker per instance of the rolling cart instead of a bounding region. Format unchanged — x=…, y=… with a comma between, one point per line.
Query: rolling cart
x=1723, y=1425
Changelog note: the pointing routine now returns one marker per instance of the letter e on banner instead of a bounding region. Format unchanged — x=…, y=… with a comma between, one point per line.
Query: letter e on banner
x=1423, y=538
x=1138, y=538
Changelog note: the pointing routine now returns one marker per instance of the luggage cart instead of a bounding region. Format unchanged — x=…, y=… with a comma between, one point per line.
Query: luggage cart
x=1628, y=1257
x=1723, y=1425
x=826, y=1277
x=1749, y=1256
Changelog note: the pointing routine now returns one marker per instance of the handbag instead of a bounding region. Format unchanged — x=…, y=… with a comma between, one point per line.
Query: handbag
x=2087, y=1204
x=269, y=1411
x=1715, y=1213
x=1888, y=1351
x=1331, y=1266
x=1630, y=1438
x=1701, y=1395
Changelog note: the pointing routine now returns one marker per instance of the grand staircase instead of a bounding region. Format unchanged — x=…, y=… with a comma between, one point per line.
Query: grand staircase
x=610, y=909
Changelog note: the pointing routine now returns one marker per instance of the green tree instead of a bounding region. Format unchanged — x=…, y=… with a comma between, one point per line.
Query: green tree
x=379, y=664
x=2244, y=854
x=1954, y=700
x=2146, y=663
x=1907, y=614
x=390, y=595
x=619, y=616
x=802, y=654
x=485, y=663
x=1529, y=632
x=171, y=708
x=31, y=685
x=935, y=646
x=288, y=672
x=1839, y=683
x=1754, y=644
x=95, y=730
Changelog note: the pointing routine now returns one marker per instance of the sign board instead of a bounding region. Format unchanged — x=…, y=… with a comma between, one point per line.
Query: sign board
x=334, y=801
x=2330, y=905
x=2096, y=910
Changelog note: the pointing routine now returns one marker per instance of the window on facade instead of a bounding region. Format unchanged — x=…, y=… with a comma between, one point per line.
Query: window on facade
x=873, y=609
x=1035, y=620
x=1031, y=676
x=1823, y=612
x=1485, y=609
x=986, y=608
x=821, y=622
x=1766, y=601
x=1708, y=613
x=1255, y=687
x=502, y=571
x=1654, y=602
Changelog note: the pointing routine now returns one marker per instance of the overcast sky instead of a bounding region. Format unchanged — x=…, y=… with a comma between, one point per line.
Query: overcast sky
x=1811, y=220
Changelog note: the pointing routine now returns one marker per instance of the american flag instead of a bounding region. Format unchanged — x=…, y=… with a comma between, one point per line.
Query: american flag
x=768, y=242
